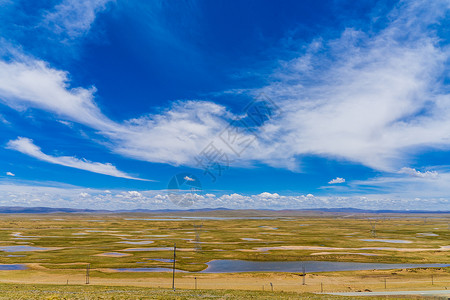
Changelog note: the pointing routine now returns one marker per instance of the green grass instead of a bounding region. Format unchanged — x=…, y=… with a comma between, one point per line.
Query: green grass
x=18, y=292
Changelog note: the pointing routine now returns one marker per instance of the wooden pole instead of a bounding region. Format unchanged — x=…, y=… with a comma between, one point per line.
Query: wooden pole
x=173, y=270
x=304, y=274
x=87, y=273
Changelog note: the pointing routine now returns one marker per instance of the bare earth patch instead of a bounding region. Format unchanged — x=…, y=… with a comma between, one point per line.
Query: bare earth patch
x=358, y=253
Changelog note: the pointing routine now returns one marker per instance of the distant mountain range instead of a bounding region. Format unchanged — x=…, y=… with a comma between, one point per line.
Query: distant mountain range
x=46, y=210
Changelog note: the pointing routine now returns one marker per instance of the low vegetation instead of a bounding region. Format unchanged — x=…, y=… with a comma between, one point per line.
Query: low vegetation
x=77, y=240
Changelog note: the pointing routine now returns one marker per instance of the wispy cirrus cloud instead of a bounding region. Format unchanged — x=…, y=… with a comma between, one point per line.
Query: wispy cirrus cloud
x=28, y=82
x=370, y=98
x=26, y=146
x=174, y=136
x=74, y=18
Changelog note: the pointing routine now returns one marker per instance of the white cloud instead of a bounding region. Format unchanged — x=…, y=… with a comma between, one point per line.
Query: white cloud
x=134, y=194
x=336, y=180
x=26, y=146
x=360, y=97
x=175, y=136
x=415, y=173
x=32, y=83
x=188, y=178
x=407, y=184
x=4, y=120
x=74, y=18
x=26, y=195
x=269, y=195
x=10, y=174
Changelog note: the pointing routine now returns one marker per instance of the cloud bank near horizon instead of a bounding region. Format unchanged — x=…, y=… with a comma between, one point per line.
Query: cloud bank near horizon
x=38, y=196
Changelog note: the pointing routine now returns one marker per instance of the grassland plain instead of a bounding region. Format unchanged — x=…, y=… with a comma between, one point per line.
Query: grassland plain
x=101, y=240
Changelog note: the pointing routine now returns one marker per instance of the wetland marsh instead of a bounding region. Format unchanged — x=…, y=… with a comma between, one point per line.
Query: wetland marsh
x=219, y=246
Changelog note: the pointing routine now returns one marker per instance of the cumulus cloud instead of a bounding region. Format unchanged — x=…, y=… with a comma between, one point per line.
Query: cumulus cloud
x=134, y=194
x=10, y=174
x=415, y=173
x=26, y=146
x=187, y=178
x=336, y=180
x=74, y=197
x=269, y=195
x=74, y=18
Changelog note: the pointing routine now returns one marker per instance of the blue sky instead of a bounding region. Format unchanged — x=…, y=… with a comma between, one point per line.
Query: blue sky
x=103, y=102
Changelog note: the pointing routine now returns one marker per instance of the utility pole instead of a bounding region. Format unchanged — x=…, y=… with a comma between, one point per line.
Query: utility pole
x=198, y=246
x=87, y=273
x=321, y=287
x=374, y=229
x=385, y=283
x=432, y=280
x=304, y=274
x=173, y=271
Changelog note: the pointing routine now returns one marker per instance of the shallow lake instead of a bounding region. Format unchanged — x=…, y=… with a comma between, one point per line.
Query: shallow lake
x=232, y=266
x=160, y=259
x=157, y=218
x=136, y=243
x=114, y=254
x=21, y=248
x=387, y=241
x=12, y=267
x=236, y=266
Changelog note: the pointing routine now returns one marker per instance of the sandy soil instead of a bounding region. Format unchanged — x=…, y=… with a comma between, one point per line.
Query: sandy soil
x=113, y=255
x=329, y=282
